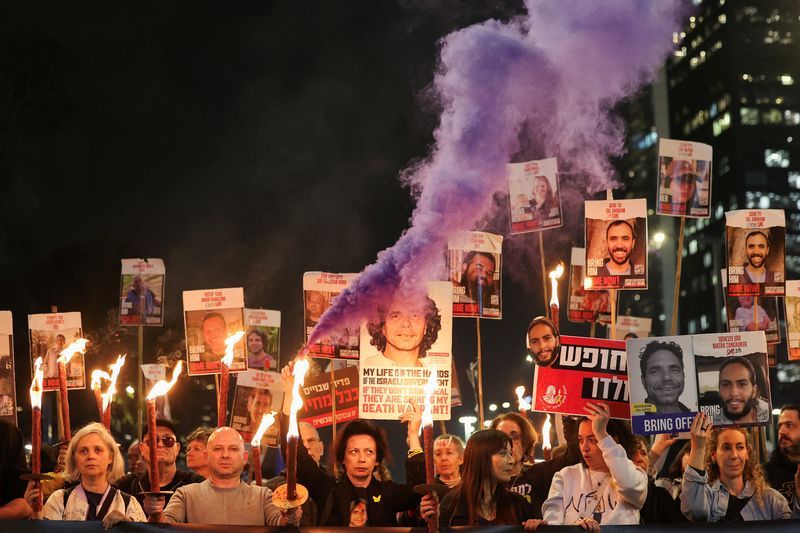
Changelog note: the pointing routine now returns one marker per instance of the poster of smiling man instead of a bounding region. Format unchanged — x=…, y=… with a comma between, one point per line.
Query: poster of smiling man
x=616, y=244
x=475, y=267
x=533, y=196
x=756, y=247
x=684, y=178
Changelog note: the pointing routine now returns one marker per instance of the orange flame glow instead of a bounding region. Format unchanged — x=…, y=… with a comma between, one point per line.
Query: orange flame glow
x=429, y=388
x=546, y=434
x=78, y=345
x=554, y=275
x=266, y=421
x=97, y=378
x=163, y=387
x=522, y=405
x=587, y=283
x=36, y=384
x=108, y=397
x=230, y=342
x=299, y=373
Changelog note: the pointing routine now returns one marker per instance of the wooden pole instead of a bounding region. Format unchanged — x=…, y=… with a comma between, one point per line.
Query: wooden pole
x=140, y=394
x=592, y=329
x=675, y=296
x=442, y=427
x=613, y=295
x=544, y=277
x=480, y=371
x=333, y=398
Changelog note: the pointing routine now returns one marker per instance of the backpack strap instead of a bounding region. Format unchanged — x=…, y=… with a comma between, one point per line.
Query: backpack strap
x=67, y=492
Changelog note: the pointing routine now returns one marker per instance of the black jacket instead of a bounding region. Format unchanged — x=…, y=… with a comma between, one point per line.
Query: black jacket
x=780, y=473
x=12, y=463
x=453, y=509
x=135, y=484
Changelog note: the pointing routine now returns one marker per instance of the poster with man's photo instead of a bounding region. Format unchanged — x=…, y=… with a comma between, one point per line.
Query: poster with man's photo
x=319, y=291
x=317, y=397
x=792, y=303
x=749, y=313
x=632, y=327
x=616, y=244
x=141, y=292
x=8, y=391
x=586, y=370
x=684, y=178
x=475, y=268
x=733, y=378
x=257, y=393
x=756, y=246
x=585, y=306
x=210, y=317
x=404, y=342
x=48, y=335
x=663, y=384
x=263, y=339
x=533, y=196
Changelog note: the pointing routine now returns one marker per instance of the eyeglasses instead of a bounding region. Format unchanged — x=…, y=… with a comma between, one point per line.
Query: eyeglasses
x=167, y=440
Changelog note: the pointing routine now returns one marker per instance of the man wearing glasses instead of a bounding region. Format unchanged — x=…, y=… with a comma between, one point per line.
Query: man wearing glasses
x=167, y=449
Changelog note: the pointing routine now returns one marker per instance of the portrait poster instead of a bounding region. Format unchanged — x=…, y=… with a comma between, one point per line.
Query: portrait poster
x=749, y=313
x=733, y=378
x=263, y=339
x=210, y=317
x=402, y=345
x=616, y=244
x=474, y=263
x=585, y=306
x=663, y=384
x=632, y=327
x=48, y=335
x=586, y=370
x=257, y=393
x=141, y=292
x=756, y=245
x=792, y=303
x=8, y=390
x=317, y=397
x=319, y=291
x=684, y=178
x=533, y=196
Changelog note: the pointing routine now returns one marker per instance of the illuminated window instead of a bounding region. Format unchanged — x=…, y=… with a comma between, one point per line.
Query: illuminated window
x=703, y=322
x=749, y=116
x=791, y=118
x=787, y=79
x=776, y=158
x=707, y=259
x=721, y=124
x=794, y=179
x=772, y=116
x=692, y=247
x=763, y=202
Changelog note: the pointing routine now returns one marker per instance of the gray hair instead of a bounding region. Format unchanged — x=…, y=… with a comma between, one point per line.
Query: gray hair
x=117, y=467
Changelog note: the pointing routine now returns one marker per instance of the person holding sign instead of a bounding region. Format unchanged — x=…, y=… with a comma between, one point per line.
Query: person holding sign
x=662, y=376
x=620, y=242
x=738, y=391
x=606, y=488
x=403, y=332
x=722, y=483
x=544, y=341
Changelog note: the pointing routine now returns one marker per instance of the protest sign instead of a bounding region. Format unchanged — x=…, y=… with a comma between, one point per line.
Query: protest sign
x=585, y=306
x=8, y=390
x=533, y=196
x=616, y=244
x=263, y=338
x=756, y=247
x=257, y=393
x=743, y=313
x=319, y=291
x=49, y=334
x=317, y=397
x=474, y=263
x=792, y=302
x=210, y=317
x=684, y=178
x=141, y=291
x=632, y=327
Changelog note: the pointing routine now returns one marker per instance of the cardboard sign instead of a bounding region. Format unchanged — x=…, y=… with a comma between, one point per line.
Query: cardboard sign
x=210, y=317
x=8, y=389
x=632, y=327
x=257, y=393
x=474, y=261
x=317, y=397
x=533, y=196
x=756, y=246
x=141, y=290
x=684, y=178
x=792, y=302
x=319, y=291
x=585, y=305
x=750, y=313
x=48, y=335
x=263, y=339
x=616, y=244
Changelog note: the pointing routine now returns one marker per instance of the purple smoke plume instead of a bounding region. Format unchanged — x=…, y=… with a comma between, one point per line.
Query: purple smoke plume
x=554, y=73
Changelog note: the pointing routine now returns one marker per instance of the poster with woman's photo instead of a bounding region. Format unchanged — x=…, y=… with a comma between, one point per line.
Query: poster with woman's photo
x=733, y=378
x=319, y=291
x=474, y=263
x=263, y=338
x=585, y=306
x=210, y=317
x=756, y=248
x=142, y=292
x=257, y=393
x=750, y=313
x=792, y=303
x=49, y=334
x=8, y=391
x=404, y=342
x=684, y=178
x=616, y=244
x=533, y=196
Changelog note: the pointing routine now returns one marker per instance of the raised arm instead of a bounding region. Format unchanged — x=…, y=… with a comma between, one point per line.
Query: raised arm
x=695, y=493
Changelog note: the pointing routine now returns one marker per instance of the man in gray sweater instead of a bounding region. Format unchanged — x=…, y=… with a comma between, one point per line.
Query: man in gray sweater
x=224, y=498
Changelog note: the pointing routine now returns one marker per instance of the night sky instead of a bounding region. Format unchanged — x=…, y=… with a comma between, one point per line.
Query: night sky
x=243, y=142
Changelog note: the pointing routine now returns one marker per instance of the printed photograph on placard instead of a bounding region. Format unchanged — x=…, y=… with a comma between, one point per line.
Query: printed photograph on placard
x=405, y=341
x=142, y=292
x=733, y=378
x=663, y=384
x=319, y=291
x=263, y=338
x=632, y=327
x=616, y=244
x=756, y=248
x=210, y=317
x=8, y=391
x=533, y=195
x=474, y=263
x=48, y=335
x=585, y=306
x=792, y=303
x=750, y=313
x=684, y=178
x=257, y=393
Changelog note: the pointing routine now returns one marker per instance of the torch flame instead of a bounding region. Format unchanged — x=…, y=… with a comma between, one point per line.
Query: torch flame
x=429, y=388
x=522, y=405
x=266, y=421
x=163, y=387
x=112, y=385
x=587, y=283
x=97, y=377
x=299, y=373
x=554, y=275
x=546, y=433
x=76, y=346
x=227, y=359
x=36, y=384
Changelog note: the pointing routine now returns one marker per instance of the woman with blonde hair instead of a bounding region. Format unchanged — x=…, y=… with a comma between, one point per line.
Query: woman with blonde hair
x=722, y=483
x=94, y=462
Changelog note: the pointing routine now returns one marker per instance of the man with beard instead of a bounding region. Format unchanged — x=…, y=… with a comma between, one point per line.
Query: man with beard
x=620, y=241
x=784, y=464
x=757, y=248
x=738, y=391
x=478, y=268
x=662, y=376
x=544, y=341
